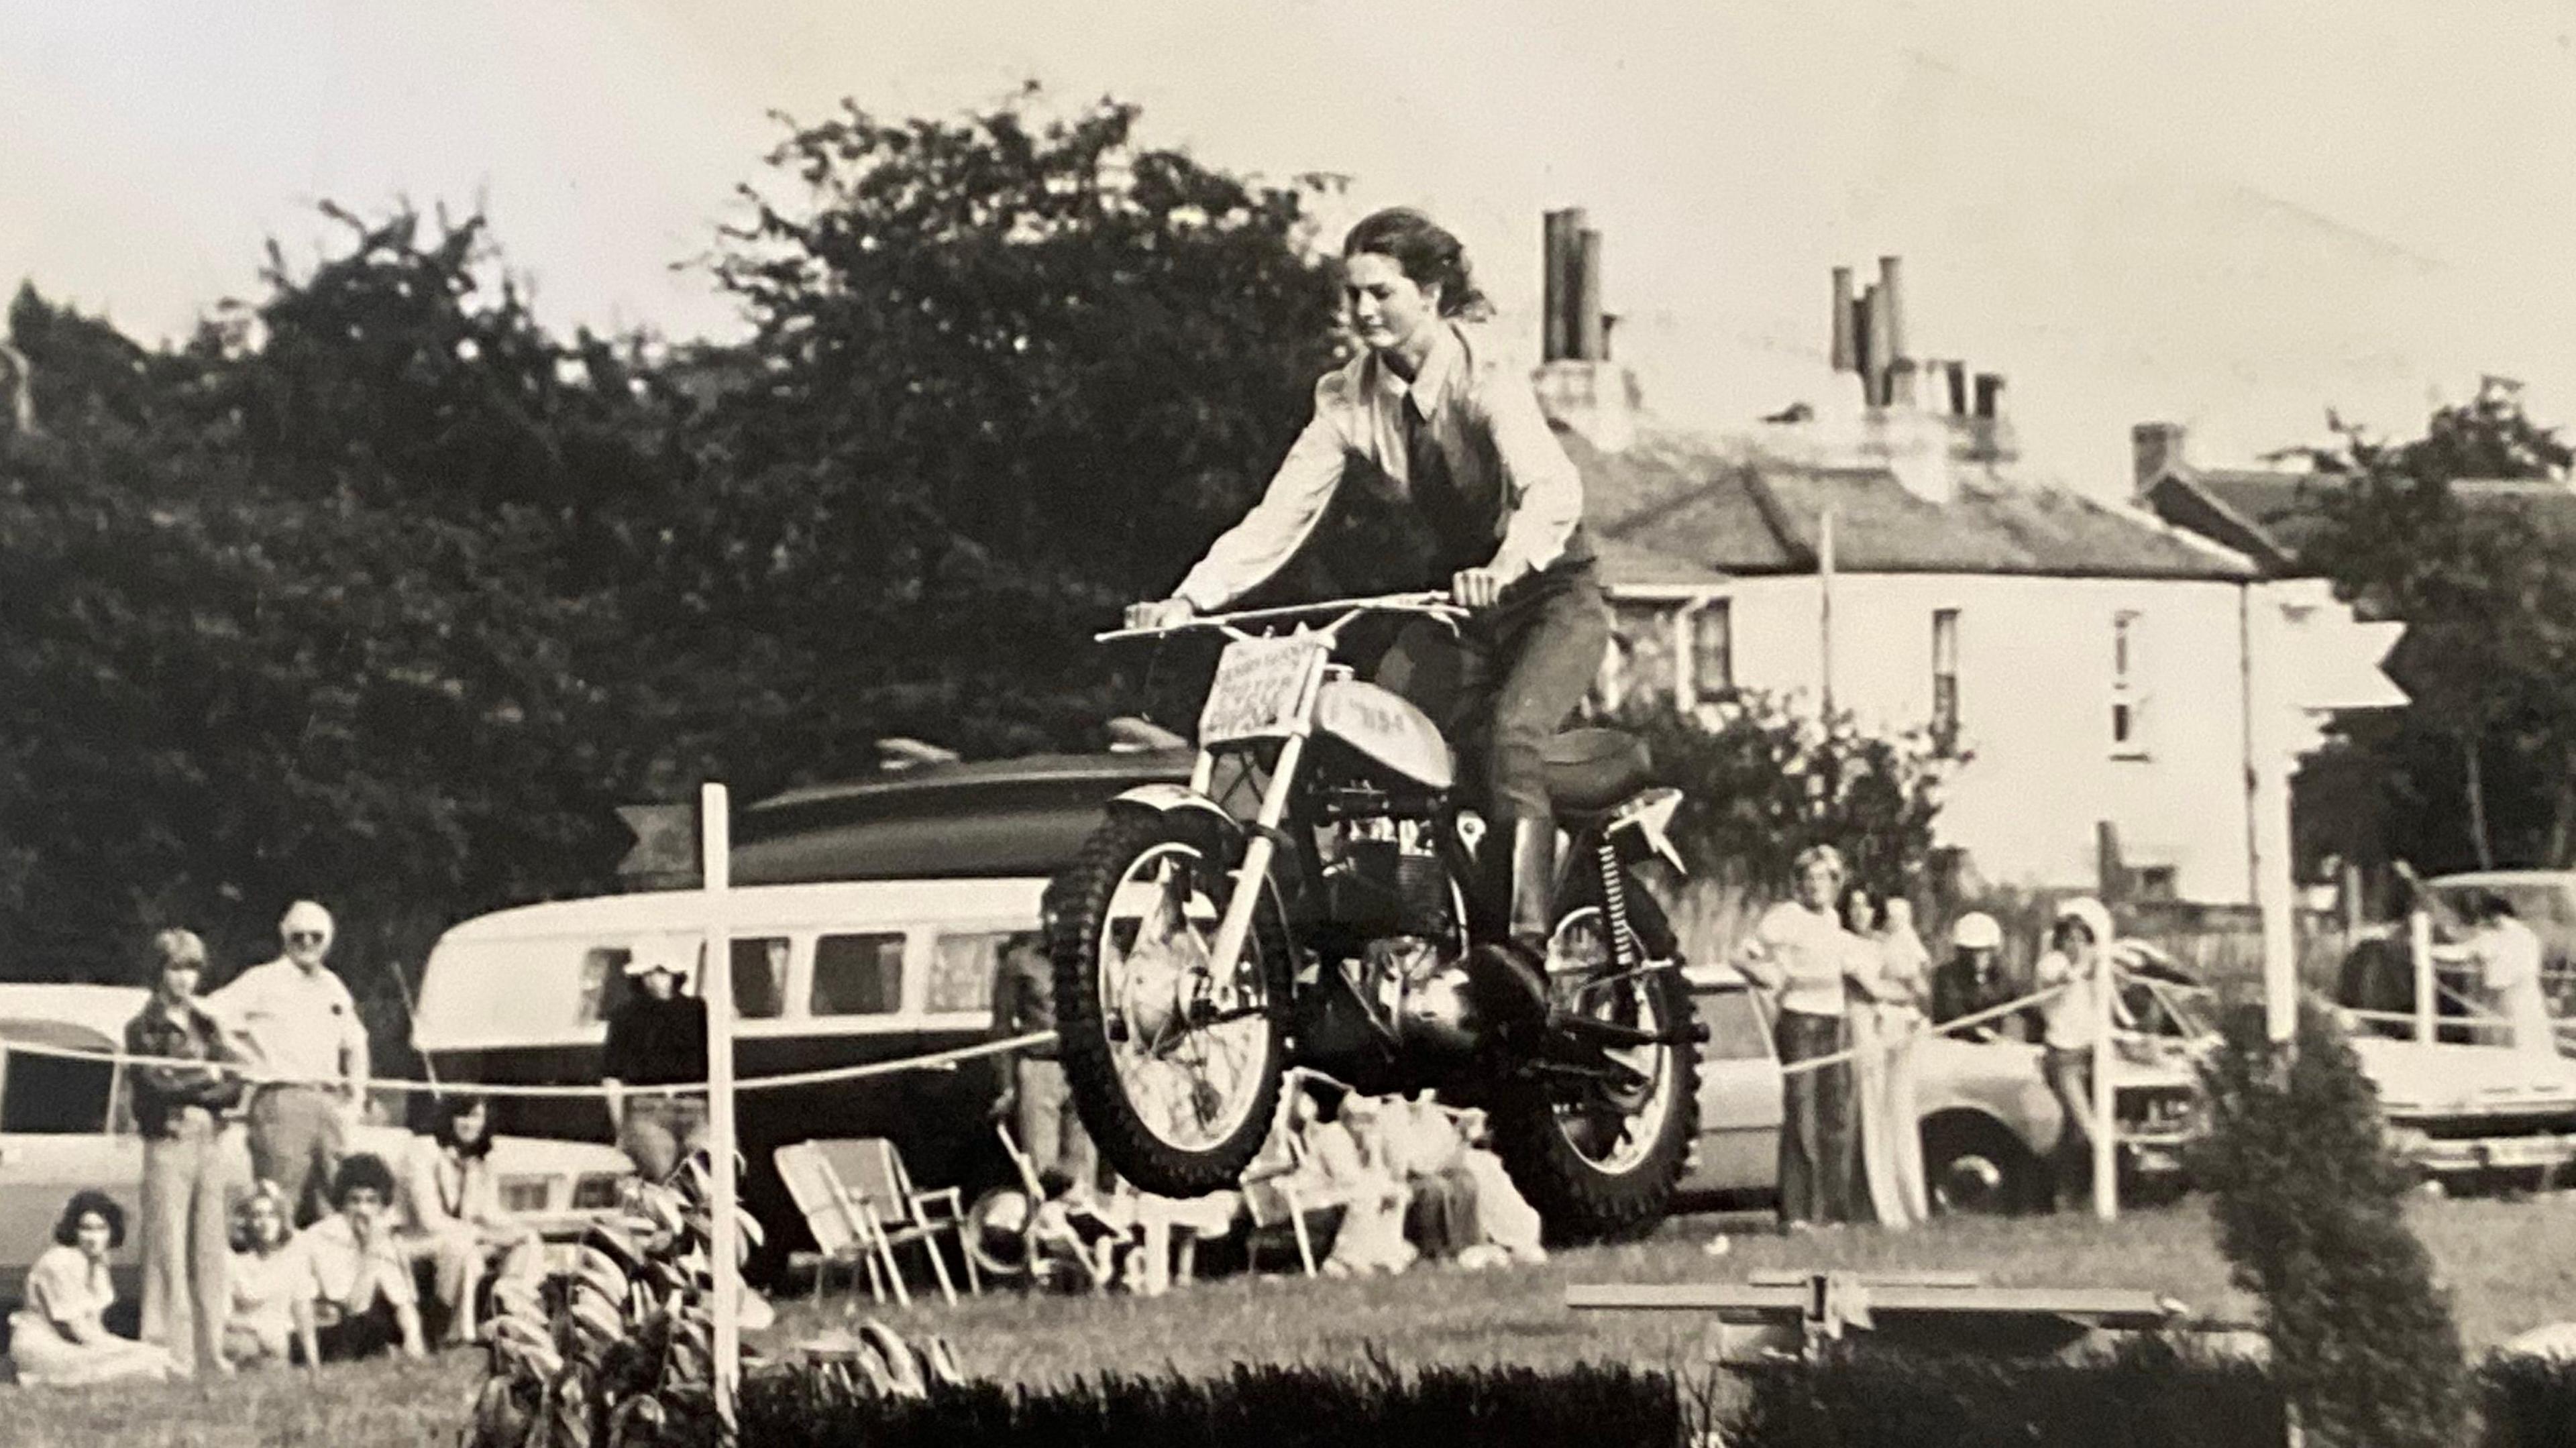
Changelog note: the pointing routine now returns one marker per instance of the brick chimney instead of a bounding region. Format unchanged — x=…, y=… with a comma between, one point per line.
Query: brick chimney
x=1577, y=383
x=2155, y=449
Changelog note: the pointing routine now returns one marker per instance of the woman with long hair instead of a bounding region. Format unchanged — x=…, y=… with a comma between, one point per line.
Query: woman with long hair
x=1886, y=1013
x=1482, y=504
x=272, y=1286
x=59, y=1332
x=450, y=1212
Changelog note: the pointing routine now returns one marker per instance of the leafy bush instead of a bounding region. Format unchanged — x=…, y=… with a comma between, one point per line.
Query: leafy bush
x=2309, y=1206
x=1767, y=779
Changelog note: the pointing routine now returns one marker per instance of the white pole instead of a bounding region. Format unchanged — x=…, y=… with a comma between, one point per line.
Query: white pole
x=1825, y=608
x=2267, y=802
x=715, y=987
x=2106, y=1126
x=2419, y=950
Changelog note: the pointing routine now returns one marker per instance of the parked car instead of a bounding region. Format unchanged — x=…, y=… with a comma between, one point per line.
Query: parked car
x=2378, y=971
x=1988, y=1120
x=67, y=1123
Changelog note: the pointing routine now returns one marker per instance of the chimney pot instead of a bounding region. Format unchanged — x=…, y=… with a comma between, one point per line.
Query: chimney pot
x=1589, y=335
x=1958, y=385
x=1873, y=347
x=1846, y=352
x=1990, y=394
x=1556, y=273
x=1891, y=290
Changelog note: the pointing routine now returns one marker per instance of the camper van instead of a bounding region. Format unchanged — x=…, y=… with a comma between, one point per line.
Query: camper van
x=829, y=974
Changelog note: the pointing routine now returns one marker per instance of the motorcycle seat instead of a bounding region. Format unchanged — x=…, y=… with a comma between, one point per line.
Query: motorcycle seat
x=1590, y=770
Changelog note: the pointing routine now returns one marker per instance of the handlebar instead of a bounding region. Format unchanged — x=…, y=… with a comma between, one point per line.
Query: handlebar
x=1430, y=605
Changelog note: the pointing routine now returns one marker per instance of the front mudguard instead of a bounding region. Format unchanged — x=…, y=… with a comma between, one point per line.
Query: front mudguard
x=1165, y=798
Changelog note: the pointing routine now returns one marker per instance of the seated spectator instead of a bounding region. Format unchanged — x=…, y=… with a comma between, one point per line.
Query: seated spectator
x=272, y=1290
x=59, y=1332
x=364, y=1299
x=450, y=1214
x=1424, y=1151
x=1345, y=1145
x=1069, y=1239
x=1509, y=1229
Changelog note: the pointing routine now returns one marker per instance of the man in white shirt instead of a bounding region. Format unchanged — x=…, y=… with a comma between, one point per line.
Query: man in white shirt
x=302, y=1029
x=366, y=1298
x=2507, y=956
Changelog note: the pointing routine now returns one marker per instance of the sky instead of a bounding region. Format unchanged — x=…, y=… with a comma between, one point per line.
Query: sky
x=2229, y=215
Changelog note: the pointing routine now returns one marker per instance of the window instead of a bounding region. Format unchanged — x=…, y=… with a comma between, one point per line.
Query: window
x=55, y=1096
x=1945, y=679
x=858, y=975
x=1735, y=1029
x=603, y=981
x=2128, y=698
x=1712, y=646
x=760, y=977
x=962, y=970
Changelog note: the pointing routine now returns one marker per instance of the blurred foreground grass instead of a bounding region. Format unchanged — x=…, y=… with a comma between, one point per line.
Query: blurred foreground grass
x=2509, y=1265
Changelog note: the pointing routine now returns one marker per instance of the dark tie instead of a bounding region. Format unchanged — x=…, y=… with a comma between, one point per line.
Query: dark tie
x=1435, y=495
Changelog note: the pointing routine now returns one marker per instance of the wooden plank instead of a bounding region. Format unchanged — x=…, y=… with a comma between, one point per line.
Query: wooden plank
x=2108, y=1306
x=1872, y=1280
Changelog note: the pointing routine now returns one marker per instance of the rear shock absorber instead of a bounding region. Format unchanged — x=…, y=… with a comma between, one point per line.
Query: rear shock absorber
x=1614, y=906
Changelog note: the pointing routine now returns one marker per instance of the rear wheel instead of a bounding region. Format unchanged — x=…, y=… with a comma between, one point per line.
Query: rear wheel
x=1174, y=1060
x=1973, y=1167
x=1600, y=1157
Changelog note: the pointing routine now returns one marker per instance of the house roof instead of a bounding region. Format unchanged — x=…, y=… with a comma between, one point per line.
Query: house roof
x=2275, y=516
x=1731, y=507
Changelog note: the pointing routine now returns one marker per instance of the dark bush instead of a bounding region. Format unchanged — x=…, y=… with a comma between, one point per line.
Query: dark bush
x=2530, y=1403
x=2309, y=1203
x=1255, y=1407
x=2148, y=1396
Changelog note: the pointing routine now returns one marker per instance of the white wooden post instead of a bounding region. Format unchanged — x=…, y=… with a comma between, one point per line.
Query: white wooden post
x=715, y=987
x=2419, y=950
x=2106, y=1125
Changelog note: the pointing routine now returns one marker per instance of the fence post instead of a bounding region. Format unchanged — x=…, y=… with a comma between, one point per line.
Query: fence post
x=2419, y=951
x=2106, y=1120
x=715, y=987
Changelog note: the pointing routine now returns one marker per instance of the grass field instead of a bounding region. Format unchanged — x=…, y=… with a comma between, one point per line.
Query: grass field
x=2509, y=1265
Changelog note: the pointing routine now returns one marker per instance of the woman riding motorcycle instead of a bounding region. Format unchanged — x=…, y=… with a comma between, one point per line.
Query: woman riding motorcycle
x=1431, y=420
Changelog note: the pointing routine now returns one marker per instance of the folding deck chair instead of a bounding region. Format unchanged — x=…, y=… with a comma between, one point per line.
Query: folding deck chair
x=842, y=1234
x=867, y=1176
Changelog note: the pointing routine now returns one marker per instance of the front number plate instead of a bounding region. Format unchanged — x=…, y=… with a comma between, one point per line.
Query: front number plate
x=1259, y=685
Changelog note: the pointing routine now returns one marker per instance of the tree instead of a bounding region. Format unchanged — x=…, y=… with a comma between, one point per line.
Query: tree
x=1007, y=374
x=2485, y=578
x=1764, y=780
x=322, y=603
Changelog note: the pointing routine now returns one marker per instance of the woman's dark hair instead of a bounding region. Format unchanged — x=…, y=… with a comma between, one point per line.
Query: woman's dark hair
x=1428, y=254
x=366, y=1169
x=1856, y=890
x=82, y=1204
x=442, y=1125
x=1328, y=1097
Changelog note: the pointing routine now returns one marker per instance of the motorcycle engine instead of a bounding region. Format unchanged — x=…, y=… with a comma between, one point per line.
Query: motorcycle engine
x=1406, y=961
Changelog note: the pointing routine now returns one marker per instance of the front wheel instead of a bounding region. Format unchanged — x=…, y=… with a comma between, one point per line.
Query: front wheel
x=1600, y=1156
x=1174, y=1059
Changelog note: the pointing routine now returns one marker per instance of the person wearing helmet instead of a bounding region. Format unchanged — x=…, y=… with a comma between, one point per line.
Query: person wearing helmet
x=1972, y=981
x=2079, y=951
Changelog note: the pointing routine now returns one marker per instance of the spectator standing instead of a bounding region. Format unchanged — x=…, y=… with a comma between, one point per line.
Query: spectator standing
x=1972, y=981
x=59, y=1332
x=654, y=1068
x=1801, y=955
x=191, y=1155
x=1037, y=1098
x=363, y=1289
x=2079, y=953
x=449, y=1206
x=302, y=1032
x=271, y=1286
x=2507, y=957
x=1886, y=1010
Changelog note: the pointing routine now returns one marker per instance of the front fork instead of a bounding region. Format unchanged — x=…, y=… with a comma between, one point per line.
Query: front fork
x=1235, y=927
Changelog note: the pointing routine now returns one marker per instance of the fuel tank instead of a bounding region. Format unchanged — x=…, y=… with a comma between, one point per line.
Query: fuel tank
x=1386, y=730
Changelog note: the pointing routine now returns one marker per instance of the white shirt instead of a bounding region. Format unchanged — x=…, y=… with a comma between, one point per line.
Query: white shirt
x=1803, y=955
x=2509, y=969
x=1485, y=420
x=2072, y=1018
x=351, y=1275
x=299, y=1023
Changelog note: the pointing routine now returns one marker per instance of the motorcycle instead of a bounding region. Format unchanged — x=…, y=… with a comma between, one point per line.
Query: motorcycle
x=1311, y=898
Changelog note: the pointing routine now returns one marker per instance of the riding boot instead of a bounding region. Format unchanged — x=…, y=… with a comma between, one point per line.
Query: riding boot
x=1533, y=900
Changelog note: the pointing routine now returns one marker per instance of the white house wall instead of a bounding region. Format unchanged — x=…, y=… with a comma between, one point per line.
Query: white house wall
x=2035, y=694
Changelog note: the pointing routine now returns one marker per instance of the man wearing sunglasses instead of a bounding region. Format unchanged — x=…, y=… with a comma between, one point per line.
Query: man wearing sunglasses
x=305, y=1038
